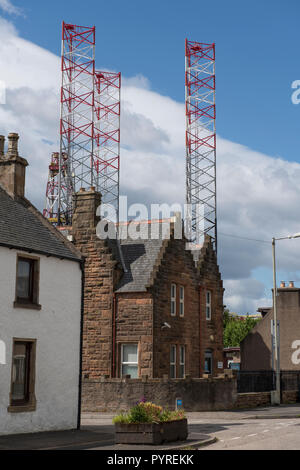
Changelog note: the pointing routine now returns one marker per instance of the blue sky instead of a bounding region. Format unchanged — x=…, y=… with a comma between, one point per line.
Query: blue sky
x=256, y=55
x=258, y=158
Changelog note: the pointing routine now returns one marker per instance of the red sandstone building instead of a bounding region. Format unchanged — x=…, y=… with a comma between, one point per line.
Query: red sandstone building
x=149, y=308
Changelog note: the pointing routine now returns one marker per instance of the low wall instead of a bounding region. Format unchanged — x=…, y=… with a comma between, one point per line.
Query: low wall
x=290, y=396
x=253, y=399
x=196, y=394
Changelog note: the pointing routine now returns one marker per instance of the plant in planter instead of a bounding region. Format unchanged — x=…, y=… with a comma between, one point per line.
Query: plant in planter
x=147, y=423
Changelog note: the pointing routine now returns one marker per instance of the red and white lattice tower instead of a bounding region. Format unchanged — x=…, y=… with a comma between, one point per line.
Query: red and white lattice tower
x=76, y=157
x=107, y=137
x=200, y=141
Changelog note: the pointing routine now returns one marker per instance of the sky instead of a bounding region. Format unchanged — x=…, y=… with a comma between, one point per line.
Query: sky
x=258, y=159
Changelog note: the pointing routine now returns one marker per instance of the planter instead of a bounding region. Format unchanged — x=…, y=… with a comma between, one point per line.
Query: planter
x=151, y=433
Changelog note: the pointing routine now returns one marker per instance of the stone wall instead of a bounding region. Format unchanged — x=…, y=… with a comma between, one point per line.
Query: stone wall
x=211, y=331
x=290, y=396
x=134, y=325
x=253, y=399
x=115, y=395
x=99, y=282
x=177, y=267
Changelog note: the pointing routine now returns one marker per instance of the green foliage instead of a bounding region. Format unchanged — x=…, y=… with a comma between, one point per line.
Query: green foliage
x=235, y=329
x=139, y=414
x=120, y=419
x=147, y=412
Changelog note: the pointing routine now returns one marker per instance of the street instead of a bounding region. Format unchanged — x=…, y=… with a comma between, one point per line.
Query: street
x=269, y=428
x=252, y=434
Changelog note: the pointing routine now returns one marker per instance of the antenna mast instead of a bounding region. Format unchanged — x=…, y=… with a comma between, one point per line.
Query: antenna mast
x=200, y=142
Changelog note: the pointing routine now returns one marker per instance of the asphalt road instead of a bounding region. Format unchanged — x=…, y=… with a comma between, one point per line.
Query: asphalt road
x=270, y=428
x=252, y=434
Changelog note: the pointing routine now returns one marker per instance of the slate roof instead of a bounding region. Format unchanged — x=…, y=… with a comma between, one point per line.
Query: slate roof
x=139, y=257
x=23, y=227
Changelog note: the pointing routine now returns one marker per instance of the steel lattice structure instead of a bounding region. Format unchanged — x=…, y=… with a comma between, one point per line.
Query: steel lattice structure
x=200, y=141
x=76, y=167
x=52, y=191
x=107, y=136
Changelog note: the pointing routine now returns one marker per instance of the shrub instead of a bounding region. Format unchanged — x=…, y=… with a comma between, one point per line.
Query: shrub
x=147, y=412
x=120, y=419
x=138, y=414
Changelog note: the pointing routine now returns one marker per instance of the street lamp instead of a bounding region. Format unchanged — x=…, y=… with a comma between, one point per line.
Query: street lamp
x=277, y=370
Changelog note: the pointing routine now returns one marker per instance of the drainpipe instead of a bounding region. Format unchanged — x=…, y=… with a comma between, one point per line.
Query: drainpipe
x=199, y=331
x=114, y=336
x=81, y=344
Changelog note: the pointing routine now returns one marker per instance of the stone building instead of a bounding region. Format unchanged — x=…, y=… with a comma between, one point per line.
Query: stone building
x=40, y=311
x=150, y=309
x=256, y=350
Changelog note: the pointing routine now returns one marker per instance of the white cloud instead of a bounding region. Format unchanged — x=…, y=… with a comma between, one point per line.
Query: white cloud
x=258, y=195
x=245, y=295
x=8, y=7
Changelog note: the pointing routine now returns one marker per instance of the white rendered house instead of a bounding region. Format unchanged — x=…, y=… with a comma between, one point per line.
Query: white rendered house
x=40, y=311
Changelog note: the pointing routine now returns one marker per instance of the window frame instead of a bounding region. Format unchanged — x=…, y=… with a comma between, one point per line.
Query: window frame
x=173, y=299
x=29, y=402
x=181, y=301
x=129, y=363
x=208, y=305
x=173, y=347
x=28, y=299
x=182, y=364
x=32, y=302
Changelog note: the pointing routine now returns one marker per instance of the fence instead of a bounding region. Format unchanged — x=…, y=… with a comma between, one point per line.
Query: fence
x=265, y=381
x=255, y=381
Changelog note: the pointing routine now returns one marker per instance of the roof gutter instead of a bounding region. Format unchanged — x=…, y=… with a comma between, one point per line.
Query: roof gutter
x=40, y=252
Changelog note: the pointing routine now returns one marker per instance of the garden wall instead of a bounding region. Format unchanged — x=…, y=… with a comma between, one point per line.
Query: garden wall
x=197, y=394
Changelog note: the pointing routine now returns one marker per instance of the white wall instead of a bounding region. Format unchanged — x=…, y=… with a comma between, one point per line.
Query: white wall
x=56, y=327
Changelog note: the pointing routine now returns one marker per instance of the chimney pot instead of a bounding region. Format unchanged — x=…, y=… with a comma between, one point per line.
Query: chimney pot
x=291, y=284
x=92, y=188
x=12, y=167
x=282, y=284
x=82, y=190
x=12, y=150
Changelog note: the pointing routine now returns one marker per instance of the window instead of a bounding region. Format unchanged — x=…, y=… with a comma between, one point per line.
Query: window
x=22, y=396
x=208, y=362
x=129, y=360
x=181, y=301
x=173, y=362
x=173, y=299
x=208, y=305
x=27, y=282
x=182, y=362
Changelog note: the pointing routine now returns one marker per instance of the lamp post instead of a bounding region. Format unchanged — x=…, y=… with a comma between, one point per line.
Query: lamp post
x=276, y=346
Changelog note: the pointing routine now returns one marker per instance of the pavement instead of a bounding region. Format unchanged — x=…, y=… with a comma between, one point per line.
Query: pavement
x=215, y=429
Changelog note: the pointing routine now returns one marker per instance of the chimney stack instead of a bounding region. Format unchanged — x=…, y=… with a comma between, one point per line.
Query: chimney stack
x=12, y=167
x=85, y=205
x=2, y=142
